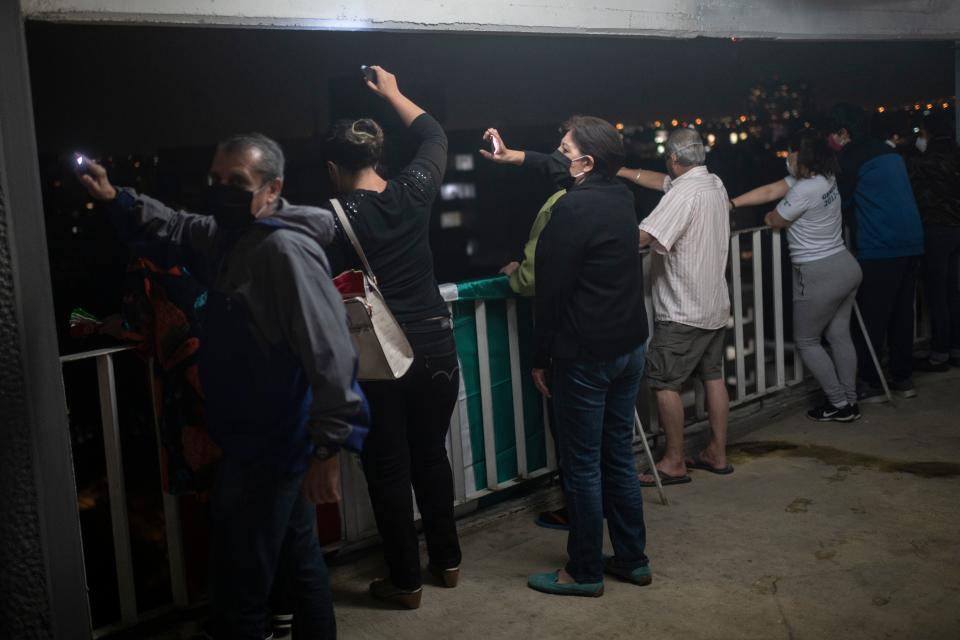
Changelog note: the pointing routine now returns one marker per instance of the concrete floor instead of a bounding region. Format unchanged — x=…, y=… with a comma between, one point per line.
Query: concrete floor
x=824, y=531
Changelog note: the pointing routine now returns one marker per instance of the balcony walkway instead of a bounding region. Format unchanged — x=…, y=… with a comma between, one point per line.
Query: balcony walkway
x=824, y=531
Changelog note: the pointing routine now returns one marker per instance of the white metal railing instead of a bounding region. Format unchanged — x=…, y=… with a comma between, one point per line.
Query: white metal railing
x=357, y=514
x=117, y=494
x=749, y=340
x=761, y=346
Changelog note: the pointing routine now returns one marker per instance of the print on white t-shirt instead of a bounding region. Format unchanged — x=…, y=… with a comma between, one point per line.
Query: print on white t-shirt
x=813, y=207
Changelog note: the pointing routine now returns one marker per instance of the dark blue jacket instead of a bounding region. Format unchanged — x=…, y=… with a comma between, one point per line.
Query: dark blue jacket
x=878, y=201
x=277, y=364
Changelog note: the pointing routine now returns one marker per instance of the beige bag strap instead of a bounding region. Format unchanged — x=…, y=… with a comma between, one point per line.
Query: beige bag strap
x=352, y=236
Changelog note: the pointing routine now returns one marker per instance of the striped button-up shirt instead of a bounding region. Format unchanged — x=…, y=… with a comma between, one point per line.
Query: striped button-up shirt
x=691, y=232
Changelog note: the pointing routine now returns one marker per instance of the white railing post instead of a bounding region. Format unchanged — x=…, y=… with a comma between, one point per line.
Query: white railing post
x=171, y=508
x=455, y=436
x=776, y=259
x=123, y=556
x=486, y=397
x=737, y=313
x=350, y=497
x=516, y=379
x=760, y=348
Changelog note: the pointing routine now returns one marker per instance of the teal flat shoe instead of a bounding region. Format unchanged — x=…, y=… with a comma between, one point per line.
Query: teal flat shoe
x=547, y=583
x=641, y=576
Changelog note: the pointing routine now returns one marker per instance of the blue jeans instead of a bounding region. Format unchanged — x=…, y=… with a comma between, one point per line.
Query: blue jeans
x=260, y=521
x=594, y=403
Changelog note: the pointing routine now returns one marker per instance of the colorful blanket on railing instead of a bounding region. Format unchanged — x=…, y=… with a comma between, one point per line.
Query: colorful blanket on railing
x=161, y=307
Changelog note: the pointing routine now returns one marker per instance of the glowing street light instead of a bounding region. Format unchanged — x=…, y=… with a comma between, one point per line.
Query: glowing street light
x=711, y=139
x=698, y=121
x=674, y=122
x=734, y=138
x=881, y=109
x=619, y=126
x=743, y=135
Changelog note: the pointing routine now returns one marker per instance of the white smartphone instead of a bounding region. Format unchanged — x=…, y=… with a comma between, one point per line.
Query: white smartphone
x=81, y=165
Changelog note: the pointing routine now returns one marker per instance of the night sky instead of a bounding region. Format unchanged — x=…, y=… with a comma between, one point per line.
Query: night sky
x=140, y=88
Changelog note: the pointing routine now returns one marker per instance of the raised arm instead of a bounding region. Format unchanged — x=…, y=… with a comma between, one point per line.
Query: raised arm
x=762, y=195
x=554, y=165
x=647, y=179
x=149, y=226
x=431, y=153
x=386, y=87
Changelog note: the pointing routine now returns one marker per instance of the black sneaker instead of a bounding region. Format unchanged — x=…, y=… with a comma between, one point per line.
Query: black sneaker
x=856, y=411
x=830, y=413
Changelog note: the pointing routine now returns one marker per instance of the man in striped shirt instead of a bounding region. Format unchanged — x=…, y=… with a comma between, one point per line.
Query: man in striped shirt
x=689, y=232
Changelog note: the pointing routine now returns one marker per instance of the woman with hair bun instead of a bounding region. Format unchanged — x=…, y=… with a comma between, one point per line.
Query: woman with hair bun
x=825, y=274
x=410, y=416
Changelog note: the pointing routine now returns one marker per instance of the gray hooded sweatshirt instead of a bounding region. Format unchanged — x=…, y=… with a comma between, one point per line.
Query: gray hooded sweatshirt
x=277, y=362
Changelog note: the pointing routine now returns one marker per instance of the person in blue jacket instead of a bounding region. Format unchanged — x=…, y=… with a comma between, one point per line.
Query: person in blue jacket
x=887, y=238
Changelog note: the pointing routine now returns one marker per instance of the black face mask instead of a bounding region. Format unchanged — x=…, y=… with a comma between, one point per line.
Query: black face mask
x=557, y=158
x=230, y=206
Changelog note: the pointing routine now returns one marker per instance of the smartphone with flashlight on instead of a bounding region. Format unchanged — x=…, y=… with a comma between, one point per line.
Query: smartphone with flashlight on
x=80, y=164
x=369, y=75
x=494, y=145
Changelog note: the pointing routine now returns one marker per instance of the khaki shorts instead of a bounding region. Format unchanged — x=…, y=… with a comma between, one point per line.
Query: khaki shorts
x=677, y=350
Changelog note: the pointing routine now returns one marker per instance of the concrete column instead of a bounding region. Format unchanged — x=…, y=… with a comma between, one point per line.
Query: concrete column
x=42, y=587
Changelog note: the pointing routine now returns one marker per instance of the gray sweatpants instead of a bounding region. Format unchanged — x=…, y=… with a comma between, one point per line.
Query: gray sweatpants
x=823, y=296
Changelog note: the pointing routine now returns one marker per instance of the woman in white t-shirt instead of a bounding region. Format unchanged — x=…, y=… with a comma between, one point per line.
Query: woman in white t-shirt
x=825, y=275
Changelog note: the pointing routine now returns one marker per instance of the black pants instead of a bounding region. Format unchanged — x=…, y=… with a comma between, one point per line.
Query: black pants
x=260, y=521
x=941, y=287
x=407, y=445
x=886, y=300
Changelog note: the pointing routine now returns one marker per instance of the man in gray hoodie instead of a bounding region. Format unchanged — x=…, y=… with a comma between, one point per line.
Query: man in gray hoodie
x=277, y=369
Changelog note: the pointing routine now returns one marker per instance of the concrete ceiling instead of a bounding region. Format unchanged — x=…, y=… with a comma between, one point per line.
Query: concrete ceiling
x=783, y=19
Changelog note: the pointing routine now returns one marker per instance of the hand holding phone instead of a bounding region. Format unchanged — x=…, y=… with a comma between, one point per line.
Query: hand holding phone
x=81, y=164
x=498, y=150
x=94, y=178
x=380, y=81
